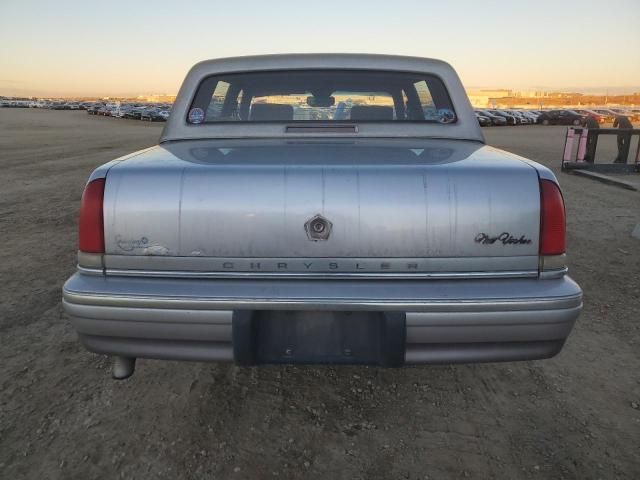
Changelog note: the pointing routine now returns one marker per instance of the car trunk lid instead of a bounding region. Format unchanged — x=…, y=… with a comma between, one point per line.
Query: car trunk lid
x=401, y=207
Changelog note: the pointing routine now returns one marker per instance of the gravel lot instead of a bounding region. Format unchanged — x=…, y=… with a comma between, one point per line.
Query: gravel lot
x=61, y=415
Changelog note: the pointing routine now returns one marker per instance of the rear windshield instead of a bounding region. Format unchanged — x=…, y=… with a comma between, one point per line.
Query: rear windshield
x=322, y=96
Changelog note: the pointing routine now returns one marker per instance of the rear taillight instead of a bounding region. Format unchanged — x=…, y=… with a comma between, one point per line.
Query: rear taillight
x=552, y=222
x=91, y=224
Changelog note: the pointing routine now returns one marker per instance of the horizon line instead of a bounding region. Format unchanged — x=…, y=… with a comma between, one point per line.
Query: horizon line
x=633, y=91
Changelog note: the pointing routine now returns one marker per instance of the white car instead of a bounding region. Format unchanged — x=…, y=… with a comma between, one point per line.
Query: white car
x=380, y=234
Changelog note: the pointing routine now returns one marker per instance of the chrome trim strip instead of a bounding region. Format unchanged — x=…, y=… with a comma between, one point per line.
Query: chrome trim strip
x=416, y=353
x=149, y=315
x=553, y=274
x=422, y=327
x=322, y=264
x=553, y=262
x=325, y=275
x=447, y=353
x=159, y=348
x=90, y=271
x=90, y=260
x=225, y=303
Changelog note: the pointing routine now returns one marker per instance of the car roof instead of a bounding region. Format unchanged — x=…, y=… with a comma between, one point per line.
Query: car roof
x=466, y=127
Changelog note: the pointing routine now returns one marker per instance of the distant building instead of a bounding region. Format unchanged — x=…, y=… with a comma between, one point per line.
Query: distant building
x=544, y=100
x=157, y=98
x=495, y=98
x=481, y=98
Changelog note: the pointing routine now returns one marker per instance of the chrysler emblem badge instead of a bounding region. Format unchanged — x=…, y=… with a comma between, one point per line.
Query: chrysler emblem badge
x=318, y=228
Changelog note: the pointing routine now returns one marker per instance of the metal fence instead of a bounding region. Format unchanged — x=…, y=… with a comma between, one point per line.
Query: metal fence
x=587, y=144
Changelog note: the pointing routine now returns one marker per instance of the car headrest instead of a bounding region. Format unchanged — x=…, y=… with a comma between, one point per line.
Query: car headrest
x=261, y=112
x=371, y=112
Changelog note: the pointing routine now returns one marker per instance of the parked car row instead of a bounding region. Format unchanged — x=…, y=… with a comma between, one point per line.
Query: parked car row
x=501, y=117
x=150, y=113
x=52, y=105
x=608, y=115
x=68, y=106
x=487, y=117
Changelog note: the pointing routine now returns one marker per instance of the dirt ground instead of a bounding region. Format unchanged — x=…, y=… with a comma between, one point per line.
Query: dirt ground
x=575, y=416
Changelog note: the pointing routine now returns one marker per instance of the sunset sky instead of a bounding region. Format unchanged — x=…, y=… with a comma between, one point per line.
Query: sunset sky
x=86, y=47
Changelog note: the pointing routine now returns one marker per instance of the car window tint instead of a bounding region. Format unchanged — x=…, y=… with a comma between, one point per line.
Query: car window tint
x=322, y=95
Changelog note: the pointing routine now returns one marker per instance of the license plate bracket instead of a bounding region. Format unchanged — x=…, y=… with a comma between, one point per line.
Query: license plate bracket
x=319, y=337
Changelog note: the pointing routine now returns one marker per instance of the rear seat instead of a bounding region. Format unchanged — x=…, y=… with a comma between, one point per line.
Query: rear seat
x=263, y=112
x=371, y=112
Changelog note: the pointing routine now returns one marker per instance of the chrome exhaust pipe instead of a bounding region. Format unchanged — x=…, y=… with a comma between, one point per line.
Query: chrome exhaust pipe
x=123, y=367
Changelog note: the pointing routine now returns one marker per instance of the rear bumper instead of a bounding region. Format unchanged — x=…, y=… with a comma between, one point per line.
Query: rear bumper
x=446, y=321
